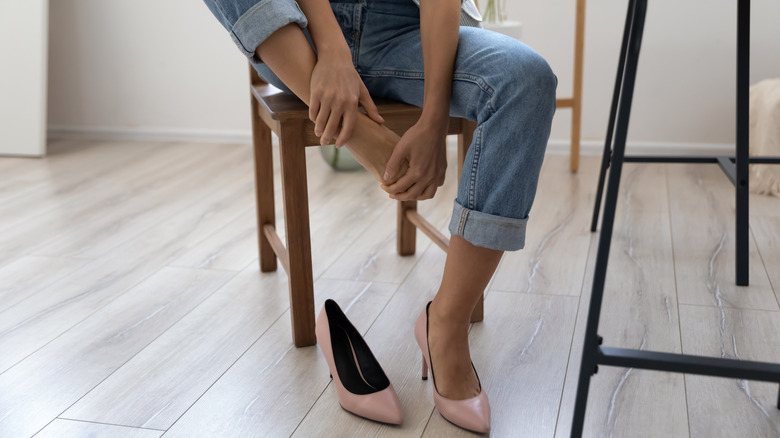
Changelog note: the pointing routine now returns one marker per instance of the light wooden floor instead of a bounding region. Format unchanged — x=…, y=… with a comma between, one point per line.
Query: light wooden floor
x=131, y=303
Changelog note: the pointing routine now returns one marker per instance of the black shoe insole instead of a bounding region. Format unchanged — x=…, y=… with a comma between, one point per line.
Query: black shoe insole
x=358, y=369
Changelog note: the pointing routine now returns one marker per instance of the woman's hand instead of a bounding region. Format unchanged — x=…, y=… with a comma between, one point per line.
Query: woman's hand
x=336, y=90
x=423, y=147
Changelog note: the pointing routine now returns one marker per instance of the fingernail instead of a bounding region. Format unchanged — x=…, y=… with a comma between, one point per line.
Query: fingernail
x=387, y=176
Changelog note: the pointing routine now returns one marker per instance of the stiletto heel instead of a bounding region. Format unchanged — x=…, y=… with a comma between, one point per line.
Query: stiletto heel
x=362, y=386
x=472, y=413
x=424, y=369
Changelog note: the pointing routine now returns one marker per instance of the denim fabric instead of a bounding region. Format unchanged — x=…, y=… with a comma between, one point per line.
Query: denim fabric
x=499, y=82
x=250, y=22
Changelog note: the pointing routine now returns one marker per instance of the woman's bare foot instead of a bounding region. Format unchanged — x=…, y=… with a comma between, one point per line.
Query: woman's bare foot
x=372, y=144
x=450, y=358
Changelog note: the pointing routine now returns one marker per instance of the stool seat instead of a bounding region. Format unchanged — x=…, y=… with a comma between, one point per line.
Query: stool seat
x=287, y=116
x=277, y=106
x=285, y=106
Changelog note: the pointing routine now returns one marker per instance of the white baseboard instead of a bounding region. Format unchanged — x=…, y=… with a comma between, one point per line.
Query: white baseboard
x=555, y=146
x=149, y=134
x=596, y=147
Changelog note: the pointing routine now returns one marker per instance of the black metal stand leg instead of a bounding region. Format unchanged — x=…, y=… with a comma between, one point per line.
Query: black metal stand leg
x=605, y=158
x=778, y=399
x=637, y=9
x=742, y=157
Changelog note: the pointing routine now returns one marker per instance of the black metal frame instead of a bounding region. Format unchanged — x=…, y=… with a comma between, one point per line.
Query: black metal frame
x=736, y=168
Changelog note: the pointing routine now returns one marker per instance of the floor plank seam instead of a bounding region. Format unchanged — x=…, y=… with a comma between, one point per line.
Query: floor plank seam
x=216, y=289
x=676, y=291
x=209, y=190
x=764, y=264
x=218, y=230
x=582, y=297
x=120, y=294
x=303, y=418
x=282, y=313
x=110, y=424
x=71, y=201
x=712, y=306
x=533, y=293
x=174, y=213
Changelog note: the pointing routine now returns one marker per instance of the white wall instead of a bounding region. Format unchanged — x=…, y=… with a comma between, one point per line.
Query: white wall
x=164, y=68
x=23, y=27
x=685, y=89
x=168, y=67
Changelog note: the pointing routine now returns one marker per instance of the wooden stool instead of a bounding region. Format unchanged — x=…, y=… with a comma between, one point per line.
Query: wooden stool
x=284, y=114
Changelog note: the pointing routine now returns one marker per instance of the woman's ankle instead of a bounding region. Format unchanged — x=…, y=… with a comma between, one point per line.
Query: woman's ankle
x=445, y=313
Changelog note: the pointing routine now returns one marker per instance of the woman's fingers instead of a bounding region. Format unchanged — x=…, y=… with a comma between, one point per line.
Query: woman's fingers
x=314, y=109
x=347, y=126
x=331, y=127
x=428, y=193
x=402, y=185
x=417, y=192
x=369, y=105
x=408, y=195
x=322, y=120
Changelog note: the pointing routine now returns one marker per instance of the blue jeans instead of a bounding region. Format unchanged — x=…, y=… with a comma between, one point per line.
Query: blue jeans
x=499, y=82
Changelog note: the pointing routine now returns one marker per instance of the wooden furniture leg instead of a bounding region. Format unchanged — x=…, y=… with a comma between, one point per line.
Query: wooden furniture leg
x=296, y=217
x=406, y=234
x=264, y=190
x=576, y=108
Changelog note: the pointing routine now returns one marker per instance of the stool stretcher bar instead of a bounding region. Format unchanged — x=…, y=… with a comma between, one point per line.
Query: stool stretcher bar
x=684, y=363
x=428, y=229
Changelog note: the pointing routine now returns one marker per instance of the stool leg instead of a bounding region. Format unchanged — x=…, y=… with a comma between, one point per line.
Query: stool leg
x=605, y=157
x=406, y=235
x=590, y=349
x=464, y=141
x=576, y=109
x=296, y=217
x=264, y=187
x=742, y=212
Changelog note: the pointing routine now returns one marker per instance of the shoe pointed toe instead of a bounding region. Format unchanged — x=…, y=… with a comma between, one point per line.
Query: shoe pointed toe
x=383, y=406
x=472, y=414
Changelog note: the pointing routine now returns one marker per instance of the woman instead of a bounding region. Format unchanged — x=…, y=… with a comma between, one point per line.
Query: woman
x=335, y=55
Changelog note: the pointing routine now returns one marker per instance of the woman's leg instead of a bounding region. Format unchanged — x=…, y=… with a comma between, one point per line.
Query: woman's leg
x=467, y=271
x=371, y=143
x=510, y=91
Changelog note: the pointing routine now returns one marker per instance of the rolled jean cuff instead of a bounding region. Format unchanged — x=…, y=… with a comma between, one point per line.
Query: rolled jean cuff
x=262, y=20
x=488, y=230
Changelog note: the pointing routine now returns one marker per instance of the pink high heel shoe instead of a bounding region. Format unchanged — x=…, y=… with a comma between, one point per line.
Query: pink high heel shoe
x=362, y=386
x=472, y=413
